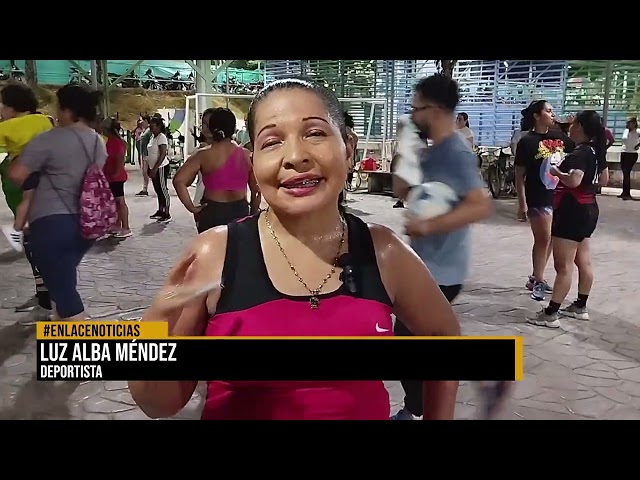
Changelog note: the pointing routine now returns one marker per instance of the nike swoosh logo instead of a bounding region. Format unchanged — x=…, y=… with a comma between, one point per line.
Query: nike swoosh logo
x=379, y=329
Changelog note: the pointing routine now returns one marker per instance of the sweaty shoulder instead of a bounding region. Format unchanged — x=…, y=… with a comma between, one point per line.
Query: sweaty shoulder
x=210, y=242
x=390, y=250
x=209, y=250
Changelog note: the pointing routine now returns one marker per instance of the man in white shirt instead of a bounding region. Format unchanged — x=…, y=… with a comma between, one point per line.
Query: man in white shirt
x=629, y=155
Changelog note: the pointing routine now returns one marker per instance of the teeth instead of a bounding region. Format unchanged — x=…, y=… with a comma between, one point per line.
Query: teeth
x=305, y=183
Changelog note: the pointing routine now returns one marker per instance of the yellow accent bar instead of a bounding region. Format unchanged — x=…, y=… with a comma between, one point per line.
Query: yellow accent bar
x=132, y=330
x=102, y=330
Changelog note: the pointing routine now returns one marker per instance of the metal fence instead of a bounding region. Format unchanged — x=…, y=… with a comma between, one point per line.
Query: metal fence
x=493, y=92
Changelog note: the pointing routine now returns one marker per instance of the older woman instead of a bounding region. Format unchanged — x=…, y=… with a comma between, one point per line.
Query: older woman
x=61, y=156
x=288, y=256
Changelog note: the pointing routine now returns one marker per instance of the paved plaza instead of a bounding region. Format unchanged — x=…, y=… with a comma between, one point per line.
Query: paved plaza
x=585, y=370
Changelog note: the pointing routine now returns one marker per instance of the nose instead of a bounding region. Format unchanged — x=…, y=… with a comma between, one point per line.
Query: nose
x=296, y=156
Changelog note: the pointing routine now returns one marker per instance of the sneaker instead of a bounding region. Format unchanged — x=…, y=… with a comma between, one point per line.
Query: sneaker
x=539, y=291
x=14, y=237
x=155, y=216
x=163, y=219
x=123, y=234
x=398, y=204
x=541, y=319
x=38, y=314
x=531, y=282
x=404, y=414
x=28, y=305
x=574, y=311
x=142, y=193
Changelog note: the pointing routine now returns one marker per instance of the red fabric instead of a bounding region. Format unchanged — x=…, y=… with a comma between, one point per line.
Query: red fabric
x=113, y=168
x=609, y=135
x=369, y=164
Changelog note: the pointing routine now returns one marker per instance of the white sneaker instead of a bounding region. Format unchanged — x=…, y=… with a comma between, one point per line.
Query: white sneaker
x=14, y=237
x=38, y=314
x=123, y=234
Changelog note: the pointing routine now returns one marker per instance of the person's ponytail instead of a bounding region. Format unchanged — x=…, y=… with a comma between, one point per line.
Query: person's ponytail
x=527, y=121
x=599, y=143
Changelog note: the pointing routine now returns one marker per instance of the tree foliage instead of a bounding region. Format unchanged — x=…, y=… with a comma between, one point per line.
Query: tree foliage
x=31, y=72
x=446, y=67
x=247, y=64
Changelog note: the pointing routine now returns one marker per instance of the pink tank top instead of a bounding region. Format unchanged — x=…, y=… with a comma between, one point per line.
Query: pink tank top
x=250, y=305
x=233, y=175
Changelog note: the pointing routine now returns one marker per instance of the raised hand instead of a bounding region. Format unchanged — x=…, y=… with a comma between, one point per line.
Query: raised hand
x=184, y=298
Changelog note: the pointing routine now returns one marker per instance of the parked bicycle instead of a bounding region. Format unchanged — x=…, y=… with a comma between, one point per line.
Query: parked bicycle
x=501, y=176
x=356, y=181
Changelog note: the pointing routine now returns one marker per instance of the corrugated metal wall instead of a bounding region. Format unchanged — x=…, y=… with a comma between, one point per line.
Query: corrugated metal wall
x=493, y=91
x=587, y=86
x=348, y=78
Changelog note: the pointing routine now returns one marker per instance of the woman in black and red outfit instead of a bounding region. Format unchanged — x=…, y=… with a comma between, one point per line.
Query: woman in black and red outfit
x=575, y=217
x=540, y=148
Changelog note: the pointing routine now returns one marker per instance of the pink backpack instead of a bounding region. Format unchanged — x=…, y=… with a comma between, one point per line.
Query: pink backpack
x=98, y=214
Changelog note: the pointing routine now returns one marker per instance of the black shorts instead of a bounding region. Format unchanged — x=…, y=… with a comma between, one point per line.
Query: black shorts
x=574, y=221
x=117, y=188
x=31, y=182
x=215, y=214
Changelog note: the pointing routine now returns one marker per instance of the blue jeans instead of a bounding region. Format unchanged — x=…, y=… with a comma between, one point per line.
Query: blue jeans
x=58, y=249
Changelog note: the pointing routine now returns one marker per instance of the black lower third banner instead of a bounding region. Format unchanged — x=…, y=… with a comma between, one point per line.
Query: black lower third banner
x=392, y=358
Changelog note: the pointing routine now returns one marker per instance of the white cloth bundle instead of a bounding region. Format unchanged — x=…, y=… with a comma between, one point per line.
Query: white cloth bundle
x=409, y=146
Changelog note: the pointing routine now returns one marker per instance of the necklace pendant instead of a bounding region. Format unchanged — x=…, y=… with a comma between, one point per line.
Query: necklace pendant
x=314, y=302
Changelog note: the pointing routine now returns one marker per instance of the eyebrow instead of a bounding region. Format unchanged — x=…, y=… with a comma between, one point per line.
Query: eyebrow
x=315, y=118
x=271, y=125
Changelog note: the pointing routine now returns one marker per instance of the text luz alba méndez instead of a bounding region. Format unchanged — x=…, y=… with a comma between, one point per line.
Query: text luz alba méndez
x=100, y=352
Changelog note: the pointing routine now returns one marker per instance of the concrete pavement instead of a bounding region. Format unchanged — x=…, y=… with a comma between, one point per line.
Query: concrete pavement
x=585, y=370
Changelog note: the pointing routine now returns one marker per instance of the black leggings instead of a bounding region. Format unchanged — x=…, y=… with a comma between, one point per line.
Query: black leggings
x=413, y=388
x=42, y=294
x=627, y=161
x=159, y=181
x=215, y=214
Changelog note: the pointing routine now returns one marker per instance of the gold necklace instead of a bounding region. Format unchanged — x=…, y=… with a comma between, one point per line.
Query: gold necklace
x=314, y=301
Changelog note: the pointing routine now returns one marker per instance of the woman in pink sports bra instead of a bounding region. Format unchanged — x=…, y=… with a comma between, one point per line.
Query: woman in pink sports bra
x=281, y=274
x=226, y=174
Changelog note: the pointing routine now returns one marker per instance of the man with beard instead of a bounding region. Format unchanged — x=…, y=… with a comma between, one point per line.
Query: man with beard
x=443, y=242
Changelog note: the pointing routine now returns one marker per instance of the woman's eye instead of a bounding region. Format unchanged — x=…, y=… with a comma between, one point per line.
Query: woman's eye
x=317, y=133
x=269, y=143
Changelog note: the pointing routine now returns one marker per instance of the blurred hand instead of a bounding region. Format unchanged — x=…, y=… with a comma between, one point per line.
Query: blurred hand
x=416, y=226
x=185, y=299
x=196, y=210
x=182, y=288
x=522, y=215
x=555, y=171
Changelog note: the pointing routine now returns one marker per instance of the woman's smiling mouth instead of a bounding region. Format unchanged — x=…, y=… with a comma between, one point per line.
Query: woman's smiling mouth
x=301, y=185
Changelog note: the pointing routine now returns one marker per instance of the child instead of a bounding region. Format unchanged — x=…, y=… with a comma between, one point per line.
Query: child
x=21, y=122
x=14, y=233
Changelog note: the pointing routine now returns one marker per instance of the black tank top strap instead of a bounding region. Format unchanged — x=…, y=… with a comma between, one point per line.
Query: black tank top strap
x=239, y=279
x=231, y=255
x=363, y=252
